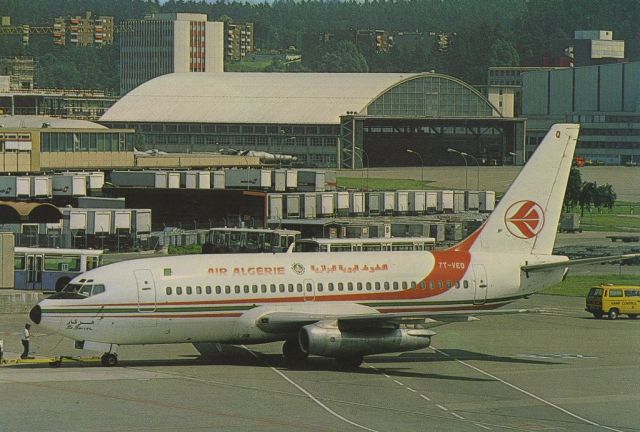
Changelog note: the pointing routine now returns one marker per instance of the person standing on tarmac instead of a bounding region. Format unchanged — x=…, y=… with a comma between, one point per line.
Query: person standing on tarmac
x=26, y=337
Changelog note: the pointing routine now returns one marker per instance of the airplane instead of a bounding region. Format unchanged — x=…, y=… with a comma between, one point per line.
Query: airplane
x=339, y=305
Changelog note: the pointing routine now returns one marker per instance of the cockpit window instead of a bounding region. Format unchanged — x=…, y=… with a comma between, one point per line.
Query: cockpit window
x=79, y=291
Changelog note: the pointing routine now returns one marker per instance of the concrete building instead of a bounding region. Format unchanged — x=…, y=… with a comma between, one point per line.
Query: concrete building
x=604, y=99
x=21, y=73
x=591, y=47
x=324, y=119
x=239, y=41
x=167, y=43
x=72, y=104
x=83, y=30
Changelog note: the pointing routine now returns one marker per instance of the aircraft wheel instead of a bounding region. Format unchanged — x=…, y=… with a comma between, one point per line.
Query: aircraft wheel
x=109, y=359
x=292, y=351
x=352, y=362
x=613, y=314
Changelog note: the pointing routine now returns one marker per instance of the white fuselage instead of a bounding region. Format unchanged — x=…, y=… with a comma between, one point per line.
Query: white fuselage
x=220, y=298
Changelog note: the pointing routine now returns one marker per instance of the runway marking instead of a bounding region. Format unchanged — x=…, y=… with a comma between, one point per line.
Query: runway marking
x=411, y=390
x=424, y=397
x=521, y=390
x=482, y=426
x=443, y=408
x=457, y=415
x=309, y=395
x=398, y=382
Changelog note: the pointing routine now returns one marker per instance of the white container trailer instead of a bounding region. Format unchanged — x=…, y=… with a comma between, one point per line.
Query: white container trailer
x=217, y=179
x=471, y=200
x=375, y=203
x=99, y=221
x=248, y=178
x=388, y=202
x=69, y=185
x=276, y=206
x=74, y=219
x=142, y=221
x=402, y=202
x=445, y=201
x=325, y=204
x=330, y=180
x=417, y=202
x=341, y=203
x=458, y=201
x=308, y=205
x=95, y=180
x=41, y=187
x=195, y=179
x=356, y=203
x=14, y=187
x=292, y=207
x=486, y=201
x=150, y=178
x=279, y=180
x=431, y=201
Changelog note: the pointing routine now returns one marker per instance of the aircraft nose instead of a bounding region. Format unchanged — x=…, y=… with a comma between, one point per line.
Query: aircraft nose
x=36, y=314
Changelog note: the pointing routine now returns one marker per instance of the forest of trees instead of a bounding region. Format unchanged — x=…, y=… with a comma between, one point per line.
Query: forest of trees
x=487, y=32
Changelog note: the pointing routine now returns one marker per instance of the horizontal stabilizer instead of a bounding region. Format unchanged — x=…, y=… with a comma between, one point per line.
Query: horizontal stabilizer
x=583, y=261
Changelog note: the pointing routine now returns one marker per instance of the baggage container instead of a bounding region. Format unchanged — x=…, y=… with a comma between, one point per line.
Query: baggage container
x=330, y=180
x=471, y=200
x=311, y=181
x=458, y=201
x=486, y=201
x=217, y=179
x=417, y=202
x=13, y=187
x=342, y=203
x=151, y=179
x=431, y=201
x=445, y=201
x=279, y=180
x=356, y=203
x=122, y=221
x=173, y=180
x=195, y=179
x=99, y=221
x=41, y=187
x=69, y=185
x=436, y=230
x=453, y=231
x=292, y=205
x=248, y=178
x=142, y=221
x=276, y=206
x=402, y=202
x=389, y=202
x=325, y=204
x=375, y=203
x=292, y=179
x=308, y=206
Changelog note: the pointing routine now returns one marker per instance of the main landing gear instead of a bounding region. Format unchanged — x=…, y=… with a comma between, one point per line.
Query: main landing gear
x=109, y=359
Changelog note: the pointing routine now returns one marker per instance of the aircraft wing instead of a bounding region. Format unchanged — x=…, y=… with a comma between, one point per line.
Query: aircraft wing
x=287, y=322
x=583, y=261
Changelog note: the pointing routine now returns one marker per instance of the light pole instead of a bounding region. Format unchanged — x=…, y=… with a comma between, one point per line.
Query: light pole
x=513, y=160
x=421, y=164
x=475, y=159
x=466, y=166
x=362, y=162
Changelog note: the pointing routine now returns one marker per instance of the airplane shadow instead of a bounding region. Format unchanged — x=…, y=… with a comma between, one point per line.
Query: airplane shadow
x=453, y=355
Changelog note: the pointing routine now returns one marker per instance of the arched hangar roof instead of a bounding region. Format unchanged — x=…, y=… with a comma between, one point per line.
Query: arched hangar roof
x=294, y=98
x=39, y=122
x=17, y=212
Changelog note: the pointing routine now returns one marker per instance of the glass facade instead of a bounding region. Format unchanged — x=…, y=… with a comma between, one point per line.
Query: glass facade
x=431, y=96
x=54, y=142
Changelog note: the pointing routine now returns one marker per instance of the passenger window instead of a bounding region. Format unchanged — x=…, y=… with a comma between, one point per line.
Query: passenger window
x=299, y=287
x=413, y=284
x=254, y=289
x=350, y=286
x=282, y=287
x=246, y=289
x=319, y=287
x=423, y=285
x=340, y=286
x=198, y=290
x=457, y=284
x=386, y=286
x=189, y=291
x=236, y=288
x=377, y=285
x=330, y=286
x=448, y=284
x=168, y=290
x=405, y=285
x=208, y=289
x=368, y=286
x=218, y=289
x=263, y=288
x=309, y=287
x=465, y=284
x=359, y=286
x=615, y=293
x=227, y=289
x=179, y=290
x=439, y=284
x=272, y=287
x=431, y=285
x=396, y=285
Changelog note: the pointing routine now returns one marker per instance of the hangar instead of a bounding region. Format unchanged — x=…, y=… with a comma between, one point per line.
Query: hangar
x=325, y=120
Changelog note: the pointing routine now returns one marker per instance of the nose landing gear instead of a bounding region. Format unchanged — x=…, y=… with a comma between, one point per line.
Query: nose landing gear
x=109, y=359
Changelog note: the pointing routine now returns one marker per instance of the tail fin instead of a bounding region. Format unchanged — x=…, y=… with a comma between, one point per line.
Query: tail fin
x=526, y=219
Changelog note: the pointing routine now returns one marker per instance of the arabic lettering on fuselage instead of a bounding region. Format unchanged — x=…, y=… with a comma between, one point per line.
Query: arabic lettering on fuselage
x=356, y=268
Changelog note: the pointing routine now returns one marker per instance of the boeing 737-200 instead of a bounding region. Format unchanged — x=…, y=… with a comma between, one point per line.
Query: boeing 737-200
x=340, y=305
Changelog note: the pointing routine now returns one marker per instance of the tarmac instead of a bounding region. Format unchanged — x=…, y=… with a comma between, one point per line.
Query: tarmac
x=559, y=369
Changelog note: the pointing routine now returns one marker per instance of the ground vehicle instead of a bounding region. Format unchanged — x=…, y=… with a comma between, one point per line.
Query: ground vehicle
x=614, y=300
x=363, y=244
x=51, y=268
x=238, y=240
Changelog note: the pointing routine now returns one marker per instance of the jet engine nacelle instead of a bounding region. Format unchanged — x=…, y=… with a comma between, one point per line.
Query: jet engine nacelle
x=331, y=341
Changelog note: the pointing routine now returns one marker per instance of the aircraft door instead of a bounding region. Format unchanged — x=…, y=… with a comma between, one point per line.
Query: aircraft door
x=481, y=284
x=34, y=271
x=146, y=291
x=309, y=289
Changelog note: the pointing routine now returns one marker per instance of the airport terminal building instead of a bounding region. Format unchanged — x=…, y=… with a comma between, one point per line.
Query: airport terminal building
x=604, y=99
x=325, y=120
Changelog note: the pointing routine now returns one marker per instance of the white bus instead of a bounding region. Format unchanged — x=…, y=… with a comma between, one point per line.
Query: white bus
x=363, y=244
x=51, y=268
x=236, y=240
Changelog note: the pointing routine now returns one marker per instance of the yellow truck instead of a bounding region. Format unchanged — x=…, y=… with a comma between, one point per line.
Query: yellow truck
x=614, y=300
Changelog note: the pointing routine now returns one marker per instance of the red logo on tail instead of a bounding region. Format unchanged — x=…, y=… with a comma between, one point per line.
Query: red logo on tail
x=524, y=219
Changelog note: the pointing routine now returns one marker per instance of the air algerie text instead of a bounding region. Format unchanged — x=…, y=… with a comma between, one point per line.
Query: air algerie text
x=246, y=271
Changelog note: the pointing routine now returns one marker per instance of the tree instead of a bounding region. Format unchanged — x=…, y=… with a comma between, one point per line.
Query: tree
x=587, y=193
x=503, y=53
x=342, y=56
x=574, y=185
